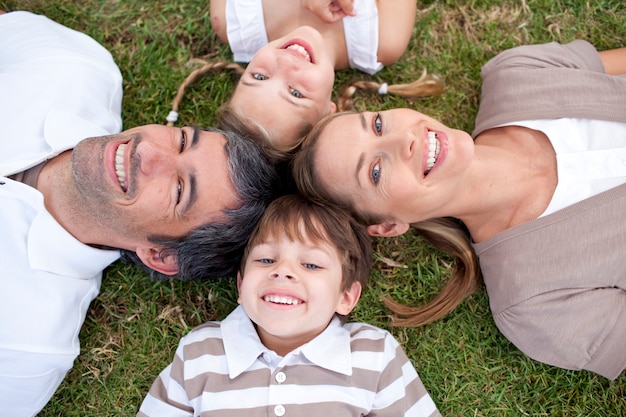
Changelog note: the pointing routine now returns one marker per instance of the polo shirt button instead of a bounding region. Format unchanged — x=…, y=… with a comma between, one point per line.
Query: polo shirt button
x=281, y=377
x=279, y=410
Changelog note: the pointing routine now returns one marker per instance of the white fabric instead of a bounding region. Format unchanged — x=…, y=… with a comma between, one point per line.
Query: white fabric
x=58, y=86
x=591, y=157
x=361, y=33
x=245, y=28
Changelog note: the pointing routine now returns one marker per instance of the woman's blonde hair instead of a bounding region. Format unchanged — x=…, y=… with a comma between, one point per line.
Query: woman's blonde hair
x=447, y=235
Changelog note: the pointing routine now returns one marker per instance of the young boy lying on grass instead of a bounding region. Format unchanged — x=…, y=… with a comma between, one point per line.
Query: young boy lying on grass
x=287, y=350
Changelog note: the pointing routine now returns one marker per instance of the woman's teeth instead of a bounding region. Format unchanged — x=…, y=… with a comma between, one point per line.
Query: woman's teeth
x=119, y=166
x=281, y=300
x=300, y=49
x=434, y=146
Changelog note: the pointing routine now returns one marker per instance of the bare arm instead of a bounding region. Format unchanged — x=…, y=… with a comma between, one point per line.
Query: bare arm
x=218, y=18
x=396, y=19
x=614, y=61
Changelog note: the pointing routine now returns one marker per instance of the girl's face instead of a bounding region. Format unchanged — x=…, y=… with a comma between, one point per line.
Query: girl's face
x=400, y=165
x=288, y=83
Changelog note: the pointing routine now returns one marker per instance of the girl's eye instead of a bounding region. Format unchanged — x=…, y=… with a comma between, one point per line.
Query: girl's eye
x=311, y=266
x=375, y=174
x=295, y=93
x=179, y=192
x=378, y=124
x=258, y=76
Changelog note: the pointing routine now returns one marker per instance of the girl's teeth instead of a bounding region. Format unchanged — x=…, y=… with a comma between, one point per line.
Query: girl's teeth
x=281, y=300
x=301, y=50
x=119, y=166
x=434, y=147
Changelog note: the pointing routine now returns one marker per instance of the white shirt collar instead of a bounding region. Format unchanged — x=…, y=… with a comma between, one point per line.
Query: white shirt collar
x=242, y=345
x=52, y=248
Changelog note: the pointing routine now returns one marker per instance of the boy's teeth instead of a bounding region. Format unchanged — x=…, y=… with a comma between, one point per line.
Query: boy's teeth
x=119, y=166
x=434, y=146
x=281, y=300
x=301, y=50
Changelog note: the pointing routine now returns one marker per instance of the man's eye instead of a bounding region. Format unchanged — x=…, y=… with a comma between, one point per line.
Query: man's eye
x=258, y=76
x=375, y=174
x=179, y=192
x=183, y=141
x=378, y=124
x=295, y=93
x=311, y=266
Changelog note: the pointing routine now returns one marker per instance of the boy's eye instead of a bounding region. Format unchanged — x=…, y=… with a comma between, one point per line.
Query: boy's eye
x=311, y=266
x=295, y=93
x=258, y=76
x=377, y=124
x=266, y=261
x=375, y=174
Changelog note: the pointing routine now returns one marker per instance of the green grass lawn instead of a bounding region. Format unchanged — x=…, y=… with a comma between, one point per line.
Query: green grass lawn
x=133, y=327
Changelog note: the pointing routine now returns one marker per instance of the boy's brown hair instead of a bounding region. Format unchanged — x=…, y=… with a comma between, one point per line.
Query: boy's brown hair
x=320, y=222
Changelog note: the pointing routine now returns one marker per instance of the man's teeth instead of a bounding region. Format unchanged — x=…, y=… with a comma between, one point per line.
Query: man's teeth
x=281, y=300
x=301, y=50
x=434, y=146
x=119, y=166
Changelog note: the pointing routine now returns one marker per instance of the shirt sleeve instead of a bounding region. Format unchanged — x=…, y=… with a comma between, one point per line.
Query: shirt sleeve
x=572, y=328
x=548, y=81
x=401, y=391
x=167, y=396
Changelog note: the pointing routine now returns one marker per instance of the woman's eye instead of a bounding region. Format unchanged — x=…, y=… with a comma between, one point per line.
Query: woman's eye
x=378, y=124
x=375, y=174
x=258, y=76
x=295, y=93
x=311, y=266
x=179, y=192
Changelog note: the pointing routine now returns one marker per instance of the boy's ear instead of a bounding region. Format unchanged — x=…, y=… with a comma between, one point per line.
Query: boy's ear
x=349, y=299
x=239, y=279
x=387, y=229
x=333, y=108
x=158, y=260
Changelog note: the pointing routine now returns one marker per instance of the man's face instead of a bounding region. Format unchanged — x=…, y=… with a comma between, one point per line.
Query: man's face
x=150, y=180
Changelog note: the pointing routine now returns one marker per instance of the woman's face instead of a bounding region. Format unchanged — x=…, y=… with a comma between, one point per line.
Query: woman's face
x=399, y=165
x=287, y=83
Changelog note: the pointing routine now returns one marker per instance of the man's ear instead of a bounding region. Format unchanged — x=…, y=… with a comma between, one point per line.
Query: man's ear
x=349, y=299
x=158, y=260
x=388, y=229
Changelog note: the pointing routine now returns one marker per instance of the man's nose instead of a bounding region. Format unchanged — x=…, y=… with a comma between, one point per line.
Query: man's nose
x=154, y=159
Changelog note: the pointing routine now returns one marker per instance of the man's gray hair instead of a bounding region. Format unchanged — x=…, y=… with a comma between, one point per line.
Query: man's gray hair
x=214, y=250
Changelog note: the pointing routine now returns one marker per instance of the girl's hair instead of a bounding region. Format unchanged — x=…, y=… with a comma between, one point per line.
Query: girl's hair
x=426, y=85
x=299, y=218
x=447, y=235
x=231, y=119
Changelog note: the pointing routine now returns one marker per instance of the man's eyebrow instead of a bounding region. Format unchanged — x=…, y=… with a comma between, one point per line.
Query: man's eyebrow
x=195, y=137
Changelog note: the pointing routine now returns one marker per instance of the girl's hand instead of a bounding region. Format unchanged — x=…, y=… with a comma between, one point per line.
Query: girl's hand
x=330, y=11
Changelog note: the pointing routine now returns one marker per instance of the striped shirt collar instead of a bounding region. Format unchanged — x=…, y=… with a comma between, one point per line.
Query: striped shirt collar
x=242, y=345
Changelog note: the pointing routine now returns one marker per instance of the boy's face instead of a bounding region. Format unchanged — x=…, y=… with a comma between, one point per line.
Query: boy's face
x=292, y=289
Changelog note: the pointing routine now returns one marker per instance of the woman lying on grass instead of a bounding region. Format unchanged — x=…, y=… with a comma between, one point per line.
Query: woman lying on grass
x=537, y=193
